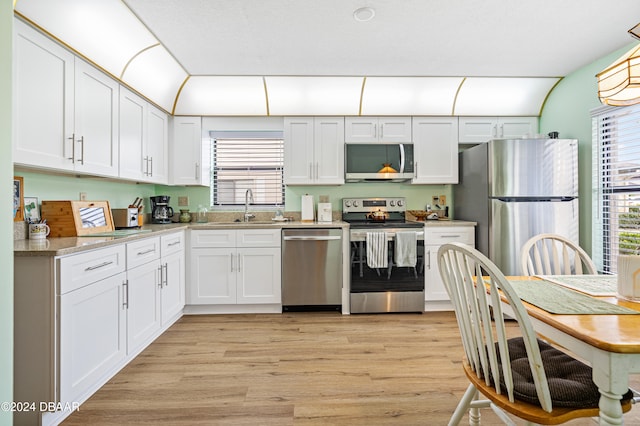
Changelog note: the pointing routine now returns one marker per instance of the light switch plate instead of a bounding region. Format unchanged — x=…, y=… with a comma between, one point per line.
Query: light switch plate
x=183, y=201
x=435, y=199
x=443, y=200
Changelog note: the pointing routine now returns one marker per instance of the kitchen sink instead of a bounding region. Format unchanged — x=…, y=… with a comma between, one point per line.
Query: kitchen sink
x=233, y=223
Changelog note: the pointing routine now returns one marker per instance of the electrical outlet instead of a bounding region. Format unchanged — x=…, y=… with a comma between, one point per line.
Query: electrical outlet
x=83, y=196
x=435, y=199
x=443, y=200
x=183, y=201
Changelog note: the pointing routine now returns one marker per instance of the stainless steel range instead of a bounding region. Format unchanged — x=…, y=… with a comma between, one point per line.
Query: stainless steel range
x=387, y=256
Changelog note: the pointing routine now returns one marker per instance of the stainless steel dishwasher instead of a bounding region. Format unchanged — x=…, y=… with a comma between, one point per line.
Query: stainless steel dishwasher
x=311, y=269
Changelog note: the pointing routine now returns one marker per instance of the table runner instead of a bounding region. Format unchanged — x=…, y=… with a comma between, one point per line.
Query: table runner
x=595, y=285
x=559, y=300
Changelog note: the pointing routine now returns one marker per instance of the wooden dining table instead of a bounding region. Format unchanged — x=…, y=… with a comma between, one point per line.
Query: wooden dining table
x=609, y=343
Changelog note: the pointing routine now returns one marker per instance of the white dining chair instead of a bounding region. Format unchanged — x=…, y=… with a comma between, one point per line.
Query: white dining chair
x=552, y=254
x=521, y=376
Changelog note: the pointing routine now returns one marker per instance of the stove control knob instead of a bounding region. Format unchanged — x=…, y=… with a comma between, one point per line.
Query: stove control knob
x=392, y=203
x=400, y=203
x=347, y=203
x=355, y=203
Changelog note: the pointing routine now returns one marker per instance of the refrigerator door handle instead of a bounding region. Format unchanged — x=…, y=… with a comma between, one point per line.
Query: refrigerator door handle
x=533, y=199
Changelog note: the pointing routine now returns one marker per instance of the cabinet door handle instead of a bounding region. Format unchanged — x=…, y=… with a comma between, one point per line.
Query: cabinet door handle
x=151, y=161
x=140, y=253
x=125, y=294
x=428, y=256
x=231, y=262
x=166, y=274
x=310, y=170
x=94, y=267
x=197, y=171
x=317, y=170
x=381, y=130
x=81, y=149
x=160, y=282
x=146, y=165
x=239, y=262
x=73, y=148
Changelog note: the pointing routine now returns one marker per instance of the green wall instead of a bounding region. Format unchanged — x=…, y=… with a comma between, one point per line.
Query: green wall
x=6, y=218
x=417, y=195
x=66, y=187
x=567, y=111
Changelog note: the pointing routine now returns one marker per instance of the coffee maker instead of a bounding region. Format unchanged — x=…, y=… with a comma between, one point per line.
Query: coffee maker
x=160, y=210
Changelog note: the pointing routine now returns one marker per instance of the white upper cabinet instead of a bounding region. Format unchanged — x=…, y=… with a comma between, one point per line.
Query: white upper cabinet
x=157, y=145
x=483, y=129
x=435, y=147
x=314, y=151
x=96, y=121
x=143, y=140
x=377, y=129
x=188, y=163
x=65, y=111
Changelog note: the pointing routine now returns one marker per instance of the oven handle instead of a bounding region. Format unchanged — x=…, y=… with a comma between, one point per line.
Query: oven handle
x=312, y=238
x=401, y=146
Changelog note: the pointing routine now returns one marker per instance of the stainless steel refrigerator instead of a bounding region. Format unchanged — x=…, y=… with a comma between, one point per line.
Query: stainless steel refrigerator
x=515, y=189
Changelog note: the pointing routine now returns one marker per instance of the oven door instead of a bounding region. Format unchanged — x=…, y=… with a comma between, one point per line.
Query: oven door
x=366, y=278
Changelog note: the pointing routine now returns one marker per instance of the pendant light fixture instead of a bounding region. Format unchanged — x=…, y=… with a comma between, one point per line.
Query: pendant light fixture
x=619, y=84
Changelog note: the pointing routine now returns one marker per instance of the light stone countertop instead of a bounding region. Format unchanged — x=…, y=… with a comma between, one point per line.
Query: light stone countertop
x=70, y=245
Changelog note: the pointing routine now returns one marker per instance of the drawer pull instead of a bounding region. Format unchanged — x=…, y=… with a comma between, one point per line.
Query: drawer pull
x=173, y=243
x=450, y=236
x=140, y=253
x=103, y=264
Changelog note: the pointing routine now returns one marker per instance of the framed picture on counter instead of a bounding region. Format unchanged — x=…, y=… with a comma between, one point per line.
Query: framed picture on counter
x=18, y=199
x=31, y=210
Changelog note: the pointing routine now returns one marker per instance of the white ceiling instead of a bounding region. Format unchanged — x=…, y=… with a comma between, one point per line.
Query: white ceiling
x=311, y=57
x=496, y=38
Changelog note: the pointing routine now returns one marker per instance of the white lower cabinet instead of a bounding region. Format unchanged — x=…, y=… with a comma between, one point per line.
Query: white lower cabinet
x=172, y=277
x=81, y=317
x=235, y=267
x=142, y=303
x=92, y=335
x=434, y=238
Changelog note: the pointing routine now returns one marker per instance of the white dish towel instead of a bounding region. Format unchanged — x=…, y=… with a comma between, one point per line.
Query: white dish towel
x=377, y=250
x=406, y=249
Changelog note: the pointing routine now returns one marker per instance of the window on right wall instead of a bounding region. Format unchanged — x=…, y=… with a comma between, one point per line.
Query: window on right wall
x=616, y=185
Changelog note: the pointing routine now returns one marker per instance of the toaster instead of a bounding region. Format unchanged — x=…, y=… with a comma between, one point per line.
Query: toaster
x=125, y=218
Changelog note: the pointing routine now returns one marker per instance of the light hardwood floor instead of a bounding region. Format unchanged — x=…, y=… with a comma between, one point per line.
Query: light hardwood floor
x=293, y=369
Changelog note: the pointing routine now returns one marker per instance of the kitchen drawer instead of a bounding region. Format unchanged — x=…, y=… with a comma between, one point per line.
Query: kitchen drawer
x=78, y=270
x=142, y=251
x=172, y=243
x=441, y=235
x=213, y=238
x=259, y=237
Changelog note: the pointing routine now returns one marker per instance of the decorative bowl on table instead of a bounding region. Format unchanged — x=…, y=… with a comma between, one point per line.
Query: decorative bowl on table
x=420, y=215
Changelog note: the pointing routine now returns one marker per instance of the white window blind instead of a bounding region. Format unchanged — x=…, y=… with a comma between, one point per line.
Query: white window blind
x=616, y=185
x=247, y=160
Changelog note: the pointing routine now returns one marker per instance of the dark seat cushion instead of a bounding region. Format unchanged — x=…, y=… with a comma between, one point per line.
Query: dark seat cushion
x=570, y=381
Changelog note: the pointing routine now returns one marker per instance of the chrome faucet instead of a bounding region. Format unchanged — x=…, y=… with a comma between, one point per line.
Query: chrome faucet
x=248, y=197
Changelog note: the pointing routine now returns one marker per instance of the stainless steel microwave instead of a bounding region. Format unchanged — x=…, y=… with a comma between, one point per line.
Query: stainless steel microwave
x=379, y=162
